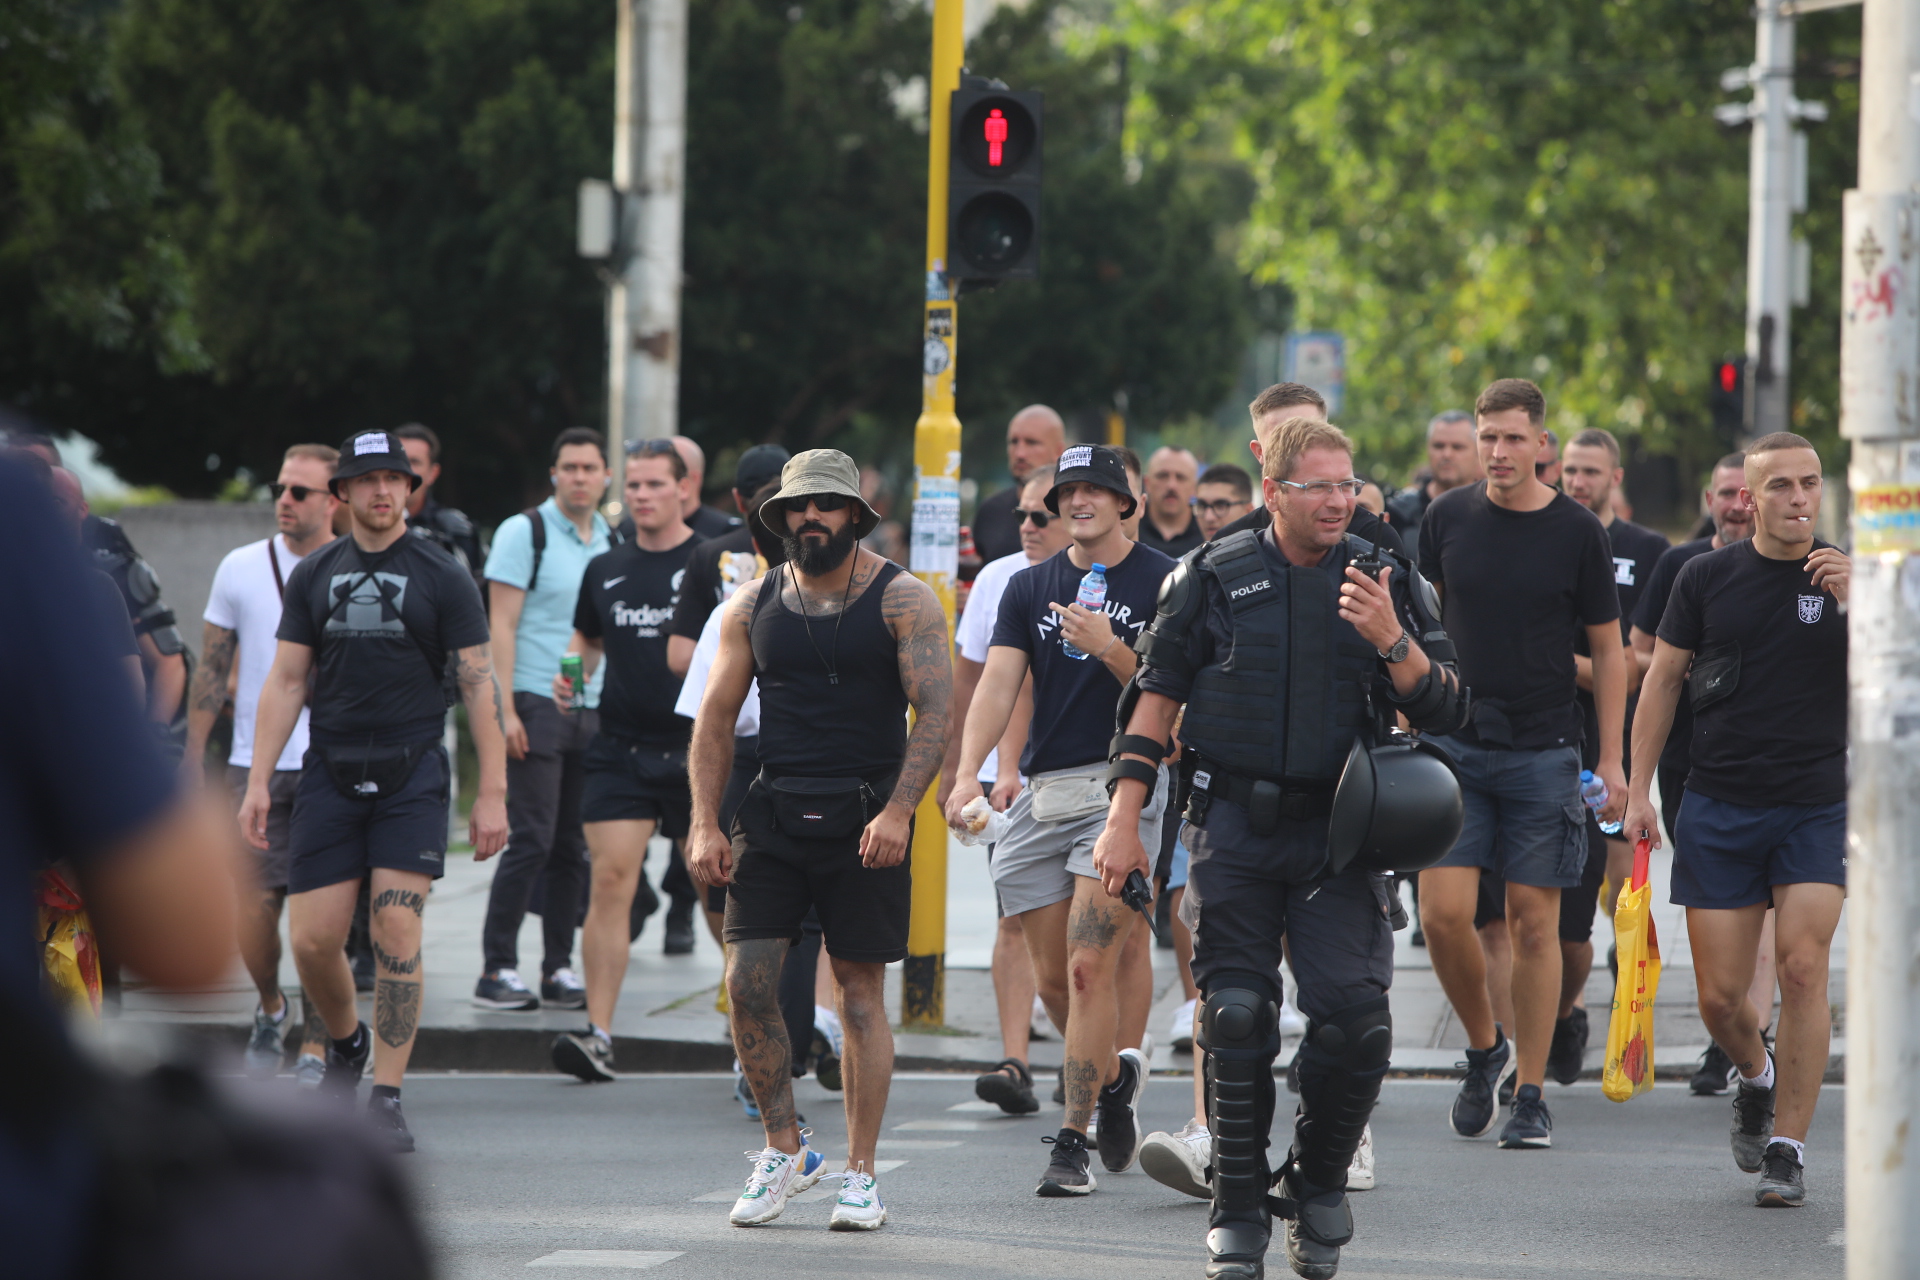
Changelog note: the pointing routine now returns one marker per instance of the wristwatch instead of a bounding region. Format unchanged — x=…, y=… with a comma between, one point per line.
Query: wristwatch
x=1400, y=649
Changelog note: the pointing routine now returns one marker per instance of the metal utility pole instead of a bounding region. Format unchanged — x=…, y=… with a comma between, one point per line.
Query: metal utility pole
x=1880, y=414
x=649, y=174
x=936, y=512
x=1776, y=186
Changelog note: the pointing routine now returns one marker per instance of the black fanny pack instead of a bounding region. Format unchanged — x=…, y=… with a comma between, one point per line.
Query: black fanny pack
x=821, y=808
x=1714, y=676
x=370, y=772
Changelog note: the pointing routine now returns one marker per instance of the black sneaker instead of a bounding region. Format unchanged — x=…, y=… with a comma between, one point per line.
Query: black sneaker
x=679, y=941
x=1783, y=1179
x=1531, y=1124
x=344, y=1070
x=1752, y=1124
x=563, y=990
x=505, y=992
x=1567, y=1057
x=1008, y=1086
x=1070, y=1172
x=384, y=1115
x=1474, y=1110
x=1715, y=1075
x=1119, y=1136
x=584, y=1054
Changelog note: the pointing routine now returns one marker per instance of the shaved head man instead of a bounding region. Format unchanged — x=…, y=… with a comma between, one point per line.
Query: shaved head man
x=1172, y=476
x=1036, y=437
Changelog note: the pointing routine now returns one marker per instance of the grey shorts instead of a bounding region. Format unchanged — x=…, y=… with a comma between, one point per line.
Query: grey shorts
x=1525, y=820
x=1035, y=862
x=273, y=860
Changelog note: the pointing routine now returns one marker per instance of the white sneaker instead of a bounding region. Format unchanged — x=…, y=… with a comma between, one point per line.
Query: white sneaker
x=1291, y=1023
x=859, y=1207
x=776, y=1178
x=827, y=1023
x=1042, y=1026
x=1146, y=1050
x=1180, y=1031
x=1360, y=1172
x=1180, y=1160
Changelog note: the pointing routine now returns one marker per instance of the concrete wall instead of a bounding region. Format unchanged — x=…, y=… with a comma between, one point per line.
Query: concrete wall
x=185, y=542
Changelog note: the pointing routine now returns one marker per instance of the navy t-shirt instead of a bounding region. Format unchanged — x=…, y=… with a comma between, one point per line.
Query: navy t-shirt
x=381, y=626
x=1073, y=698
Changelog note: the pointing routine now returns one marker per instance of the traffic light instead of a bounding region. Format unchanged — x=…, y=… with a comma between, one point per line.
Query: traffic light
x=1727, y=398
x=993, y=183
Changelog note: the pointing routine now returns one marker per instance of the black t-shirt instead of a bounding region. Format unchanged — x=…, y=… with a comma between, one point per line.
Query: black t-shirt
x=701, y=589
x=1515, y=586
x=1781, y=736
x=626, y=601
x=1364, y=524
x=995, y=532
x=1176, y=546
x=1646, y=616
x=1074, y=698
x=1636, y=551
x=381, y=626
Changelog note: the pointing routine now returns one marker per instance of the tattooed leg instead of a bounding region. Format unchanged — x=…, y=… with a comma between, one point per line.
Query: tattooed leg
x=1097, y=928
x=760, y=1034
x=399, y=898
x=314, y=1034
x=867, y=1064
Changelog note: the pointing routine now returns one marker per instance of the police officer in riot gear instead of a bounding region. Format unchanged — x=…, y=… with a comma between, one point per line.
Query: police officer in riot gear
x=1285, y=655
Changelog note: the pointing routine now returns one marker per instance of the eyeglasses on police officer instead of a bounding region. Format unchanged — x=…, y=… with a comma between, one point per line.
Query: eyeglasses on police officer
x=1320, y=490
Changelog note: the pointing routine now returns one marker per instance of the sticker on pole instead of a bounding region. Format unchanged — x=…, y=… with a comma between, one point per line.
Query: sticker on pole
x=935, y=537
x=1886, y=518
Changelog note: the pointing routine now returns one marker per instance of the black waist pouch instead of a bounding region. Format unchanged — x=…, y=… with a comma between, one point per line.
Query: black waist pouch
x=821, y=808
x=370, y=772
x=1714, y=676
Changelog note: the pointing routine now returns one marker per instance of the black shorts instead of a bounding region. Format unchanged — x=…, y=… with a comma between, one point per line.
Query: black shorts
x=333, y=837
x=1579, y=906
x=863, y=910
x=628, y=782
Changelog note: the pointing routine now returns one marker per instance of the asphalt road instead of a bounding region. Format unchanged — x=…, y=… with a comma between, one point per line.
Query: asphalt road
x=514, y=1172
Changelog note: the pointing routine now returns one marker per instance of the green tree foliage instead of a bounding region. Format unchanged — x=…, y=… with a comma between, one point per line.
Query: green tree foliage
x=1505, y=187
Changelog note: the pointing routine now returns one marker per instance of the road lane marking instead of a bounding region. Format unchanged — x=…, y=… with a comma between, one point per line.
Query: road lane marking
x=606, y=1259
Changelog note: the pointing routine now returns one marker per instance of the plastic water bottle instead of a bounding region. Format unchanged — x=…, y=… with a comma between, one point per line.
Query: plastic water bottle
x=1593, y=789
x=1092, y=595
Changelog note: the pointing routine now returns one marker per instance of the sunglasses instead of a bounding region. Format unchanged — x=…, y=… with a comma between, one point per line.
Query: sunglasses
x=1039, y=518
x=648, y=448
x=820, y=501
x=300, y=492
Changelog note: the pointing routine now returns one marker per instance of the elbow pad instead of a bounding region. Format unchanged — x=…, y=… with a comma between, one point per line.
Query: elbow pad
x=1436, y=704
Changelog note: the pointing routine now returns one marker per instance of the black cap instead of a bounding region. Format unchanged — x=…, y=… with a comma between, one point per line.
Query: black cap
x=757, y=466
x=1092, y=464
x=366, y=451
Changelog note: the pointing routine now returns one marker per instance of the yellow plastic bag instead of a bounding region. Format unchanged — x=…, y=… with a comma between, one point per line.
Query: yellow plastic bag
x=1629, y=1068
x=69, y=956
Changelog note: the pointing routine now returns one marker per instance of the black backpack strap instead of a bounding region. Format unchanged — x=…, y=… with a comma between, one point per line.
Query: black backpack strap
x=538, y=526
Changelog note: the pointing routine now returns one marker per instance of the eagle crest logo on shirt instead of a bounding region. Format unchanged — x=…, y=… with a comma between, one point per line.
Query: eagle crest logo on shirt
x=1810, y=607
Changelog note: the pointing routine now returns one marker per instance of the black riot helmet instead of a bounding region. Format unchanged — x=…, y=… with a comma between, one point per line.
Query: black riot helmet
x=1398, y=807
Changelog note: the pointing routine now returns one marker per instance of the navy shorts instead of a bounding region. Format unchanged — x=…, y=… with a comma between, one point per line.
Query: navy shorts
x=333, y=837
x=1525, y=820
x=1727, y=856
x=628, y=782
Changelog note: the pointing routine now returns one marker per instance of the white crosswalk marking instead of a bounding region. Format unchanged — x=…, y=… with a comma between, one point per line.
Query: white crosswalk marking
x=606, y=1259
x=976, y=1105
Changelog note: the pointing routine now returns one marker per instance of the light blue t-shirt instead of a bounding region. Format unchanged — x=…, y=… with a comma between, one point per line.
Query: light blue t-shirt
x=546, y=619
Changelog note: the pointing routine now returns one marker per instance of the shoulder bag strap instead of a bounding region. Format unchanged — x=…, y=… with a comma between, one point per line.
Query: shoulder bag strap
x=279, y=582
x=538, y=525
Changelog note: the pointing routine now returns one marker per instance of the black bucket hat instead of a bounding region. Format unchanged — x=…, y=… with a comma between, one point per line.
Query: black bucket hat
x=1092, y=464
x=366, y=451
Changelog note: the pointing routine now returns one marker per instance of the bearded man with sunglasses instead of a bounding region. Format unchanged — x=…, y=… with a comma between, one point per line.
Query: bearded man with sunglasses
x=242, y=616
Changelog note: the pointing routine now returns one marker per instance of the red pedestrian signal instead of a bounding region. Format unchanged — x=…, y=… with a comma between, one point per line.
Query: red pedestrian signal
x=996, y=131
x=1729, y=376
x=1727, y=399
x=993, y=183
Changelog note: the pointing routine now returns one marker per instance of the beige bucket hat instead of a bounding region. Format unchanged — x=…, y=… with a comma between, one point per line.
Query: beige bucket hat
x=818, y=471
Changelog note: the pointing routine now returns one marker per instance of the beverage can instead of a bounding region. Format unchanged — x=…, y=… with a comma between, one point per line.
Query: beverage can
x=575, y=672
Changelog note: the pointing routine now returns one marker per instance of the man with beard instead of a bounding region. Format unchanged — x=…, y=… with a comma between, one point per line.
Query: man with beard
x=1451, y=462
x=841, y=643
x=1732, y=521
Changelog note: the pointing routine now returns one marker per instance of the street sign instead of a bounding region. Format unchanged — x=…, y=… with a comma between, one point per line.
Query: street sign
x=1319, y=360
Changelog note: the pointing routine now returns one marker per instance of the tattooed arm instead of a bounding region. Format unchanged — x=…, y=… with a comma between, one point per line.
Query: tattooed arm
x=487, y=828
x=710, y=757
x=919, y=627
x=281, y=698
x=209, y=694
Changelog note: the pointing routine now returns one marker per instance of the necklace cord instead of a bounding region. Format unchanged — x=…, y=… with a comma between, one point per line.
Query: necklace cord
x=832, y=665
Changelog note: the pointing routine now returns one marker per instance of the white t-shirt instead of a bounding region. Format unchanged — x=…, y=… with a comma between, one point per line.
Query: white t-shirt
x=976, y=628
x=245, y=601
x=736, y=570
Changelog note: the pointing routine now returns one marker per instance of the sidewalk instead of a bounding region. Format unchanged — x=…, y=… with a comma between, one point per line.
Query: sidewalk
x=667, y=1020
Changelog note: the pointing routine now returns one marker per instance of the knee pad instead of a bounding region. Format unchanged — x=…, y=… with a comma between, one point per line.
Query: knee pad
x=1240, y=1036
x=1239, y=1015
x=1356, y=1040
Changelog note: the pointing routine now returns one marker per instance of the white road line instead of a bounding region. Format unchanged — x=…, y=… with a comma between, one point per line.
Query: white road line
x=975, y=1105
x=606, y=1259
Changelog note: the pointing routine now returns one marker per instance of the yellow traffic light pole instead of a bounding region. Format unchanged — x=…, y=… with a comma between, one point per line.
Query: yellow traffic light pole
x=936, y=512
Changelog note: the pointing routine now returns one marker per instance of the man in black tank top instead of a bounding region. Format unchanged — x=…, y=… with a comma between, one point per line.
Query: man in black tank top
x=842, y=643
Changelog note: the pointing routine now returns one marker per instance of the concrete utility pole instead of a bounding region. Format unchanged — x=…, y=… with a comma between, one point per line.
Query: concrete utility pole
x=936, y=512
x=1880, y=414
x=649, y=173
x=1776, y=185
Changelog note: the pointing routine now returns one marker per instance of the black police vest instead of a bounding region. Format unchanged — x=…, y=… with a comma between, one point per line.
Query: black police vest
x=1288, y=698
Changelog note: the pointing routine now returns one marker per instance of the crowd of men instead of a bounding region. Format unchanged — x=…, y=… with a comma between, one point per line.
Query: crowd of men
x=740, y=685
